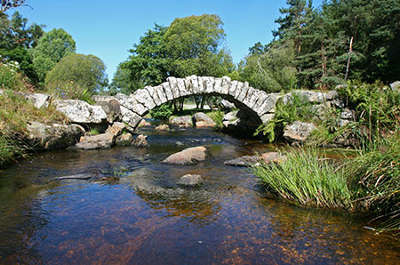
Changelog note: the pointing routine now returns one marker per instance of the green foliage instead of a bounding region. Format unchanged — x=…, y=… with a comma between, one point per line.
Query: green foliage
x=8, y=150
x=51, y=48
x=217, y=117
x=163, y=112
x=377, y=107
x=305, y=179
x=272, y=70
x=296, y=109
x=76, y=76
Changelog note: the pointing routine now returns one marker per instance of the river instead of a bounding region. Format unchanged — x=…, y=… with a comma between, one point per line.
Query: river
x=131, y=211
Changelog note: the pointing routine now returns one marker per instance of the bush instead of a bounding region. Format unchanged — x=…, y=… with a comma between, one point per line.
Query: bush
x=305, y=179
x=297, y=109
x=162, y=112
x=9, y=77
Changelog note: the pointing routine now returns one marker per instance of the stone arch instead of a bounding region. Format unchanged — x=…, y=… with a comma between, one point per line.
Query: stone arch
x=245, y=97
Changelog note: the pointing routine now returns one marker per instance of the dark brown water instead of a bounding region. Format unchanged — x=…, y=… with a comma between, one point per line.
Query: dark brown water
x=132, y=212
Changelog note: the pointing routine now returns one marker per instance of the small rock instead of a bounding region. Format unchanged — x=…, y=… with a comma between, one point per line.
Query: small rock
x=189, y=156
x=190, y=180
x=144, y=123
x=179, y=143
x=298, y=132
x=244, y=161
x=162, y=127
x=347, y=114
x=141, y=141
x=38, y=100
x=125, y=139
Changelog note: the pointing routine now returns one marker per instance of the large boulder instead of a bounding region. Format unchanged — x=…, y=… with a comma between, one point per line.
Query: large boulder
x=189, y=156
x=298, y=132
x=78, y=111
x=182, y=121
x=52, y=137
x=201, y=120
x=100, y=141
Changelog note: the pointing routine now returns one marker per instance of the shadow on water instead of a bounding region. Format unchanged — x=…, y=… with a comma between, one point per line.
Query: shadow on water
x=132, y=211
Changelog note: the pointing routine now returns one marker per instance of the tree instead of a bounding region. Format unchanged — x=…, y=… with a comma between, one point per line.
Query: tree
x=51, y=48
x=8, y=4
x=76, y=75
x=16, y=37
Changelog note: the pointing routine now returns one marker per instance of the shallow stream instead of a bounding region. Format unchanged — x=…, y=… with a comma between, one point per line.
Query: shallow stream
x=131, y=211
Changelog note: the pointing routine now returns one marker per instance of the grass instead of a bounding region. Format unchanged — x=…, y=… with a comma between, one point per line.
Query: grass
x=15, y=113
x=217, y=117
x=305, y=179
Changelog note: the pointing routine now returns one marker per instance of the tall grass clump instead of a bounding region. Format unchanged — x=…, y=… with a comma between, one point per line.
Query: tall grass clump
x=375, y=179
x=305, y=179
x=217, y=117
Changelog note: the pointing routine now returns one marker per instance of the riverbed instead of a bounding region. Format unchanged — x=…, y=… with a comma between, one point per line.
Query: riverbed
x=130, y=210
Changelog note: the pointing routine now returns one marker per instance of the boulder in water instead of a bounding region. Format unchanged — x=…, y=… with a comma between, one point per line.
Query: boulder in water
x=189, y=156
x=190, y=180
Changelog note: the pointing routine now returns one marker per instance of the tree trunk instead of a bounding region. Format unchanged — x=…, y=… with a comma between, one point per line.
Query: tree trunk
x=348, y=60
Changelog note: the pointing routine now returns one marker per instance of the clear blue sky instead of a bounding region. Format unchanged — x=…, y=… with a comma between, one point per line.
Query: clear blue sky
x=108, y=29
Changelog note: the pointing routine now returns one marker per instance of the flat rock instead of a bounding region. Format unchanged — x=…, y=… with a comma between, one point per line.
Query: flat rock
x=190, y=180
x=116, y=129
x=144, y=123
x=100, y=141
x=189, y=156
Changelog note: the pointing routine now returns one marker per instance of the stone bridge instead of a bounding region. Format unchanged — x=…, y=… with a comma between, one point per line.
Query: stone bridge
x=251, y=100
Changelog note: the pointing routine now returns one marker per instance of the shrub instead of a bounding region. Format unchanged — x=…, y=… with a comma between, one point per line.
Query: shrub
x=305, y=179
x=217, y=117
x=163, y=112
x=9, y=77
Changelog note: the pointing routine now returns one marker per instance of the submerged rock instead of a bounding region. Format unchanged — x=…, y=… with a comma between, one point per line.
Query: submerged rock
x=249, y=161
x=190, y=180
x=144, y=123
x=244, y=161
x=298, y=132
x=189, y=156
x=55, y=136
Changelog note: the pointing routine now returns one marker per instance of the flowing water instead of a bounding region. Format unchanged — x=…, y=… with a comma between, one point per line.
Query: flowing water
x=131, y=211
